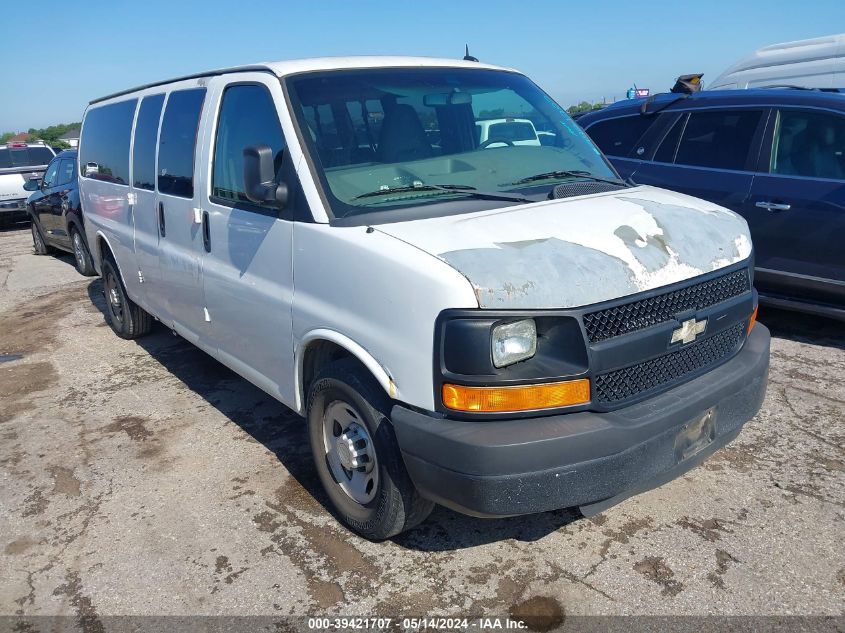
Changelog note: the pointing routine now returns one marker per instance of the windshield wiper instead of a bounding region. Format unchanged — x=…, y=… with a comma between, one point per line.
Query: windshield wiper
x=568, y=173
x=458, y=189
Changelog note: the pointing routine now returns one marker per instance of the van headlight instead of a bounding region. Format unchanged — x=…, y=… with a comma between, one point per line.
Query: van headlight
x=513, y=342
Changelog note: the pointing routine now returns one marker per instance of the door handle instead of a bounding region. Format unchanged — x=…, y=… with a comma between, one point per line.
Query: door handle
x=773, y=206
x=161, y=228
x=206, y=232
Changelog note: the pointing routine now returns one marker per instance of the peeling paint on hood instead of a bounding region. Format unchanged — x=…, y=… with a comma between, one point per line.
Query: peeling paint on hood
x=576, y=252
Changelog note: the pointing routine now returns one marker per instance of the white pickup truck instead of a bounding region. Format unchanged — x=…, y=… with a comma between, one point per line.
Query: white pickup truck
x=502, y=132
x=19, y=162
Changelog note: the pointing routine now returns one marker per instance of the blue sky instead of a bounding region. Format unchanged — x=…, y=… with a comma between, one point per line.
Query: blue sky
x=575, y=50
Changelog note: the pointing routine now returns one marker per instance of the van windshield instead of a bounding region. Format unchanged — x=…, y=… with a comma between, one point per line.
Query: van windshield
x=388, y=139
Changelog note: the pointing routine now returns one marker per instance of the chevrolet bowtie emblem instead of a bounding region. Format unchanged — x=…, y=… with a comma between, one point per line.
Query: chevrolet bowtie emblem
x=688, y=331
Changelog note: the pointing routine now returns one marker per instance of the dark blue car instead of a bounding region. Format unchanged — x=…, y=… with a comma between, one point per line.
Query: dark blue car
x=56, y=212
x=775, y=156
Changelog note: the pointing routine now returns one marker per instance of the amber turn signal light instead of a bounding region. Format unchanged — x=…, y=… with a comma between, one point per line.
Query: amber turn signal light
x=517, y=398
x=752, y=320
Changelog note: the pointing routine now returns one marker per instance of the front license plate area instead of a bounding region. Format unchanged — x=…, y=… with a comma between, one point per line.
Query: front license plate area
x=695, y=435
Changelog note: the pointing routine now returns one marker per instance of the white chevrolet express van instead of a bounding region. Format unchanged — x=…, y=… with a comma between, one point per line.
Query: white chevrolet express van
x=501, y=329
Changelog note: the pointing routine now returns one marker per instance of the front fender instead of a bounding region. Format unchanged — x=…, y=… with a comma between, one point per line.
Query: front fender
x=379, y=372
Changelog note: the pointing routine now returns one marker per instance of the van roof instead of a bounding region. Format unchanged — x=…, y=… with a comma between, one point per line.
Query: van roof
x=812, y=62
x=291, y=67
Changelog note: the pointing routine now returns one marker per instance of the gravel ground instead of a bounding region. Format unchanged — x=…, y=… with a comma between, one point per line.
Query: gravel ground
x=145, y=478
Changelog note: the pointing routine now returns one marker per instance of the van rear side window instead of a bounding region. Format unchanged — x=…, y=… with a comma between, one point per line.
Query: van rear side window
x=105, y=142
x=144, y=150
x=177, y=142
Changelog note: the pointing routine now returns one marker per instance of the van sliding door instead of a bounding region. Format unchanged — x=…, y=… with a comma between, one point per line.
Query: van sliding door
x=180, y=236
x=143, y=186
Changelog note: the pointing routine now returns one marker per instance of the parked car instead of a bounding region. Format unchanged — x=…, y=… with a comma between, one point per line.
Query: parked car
x=775, y=156
x=508, y=131
x=814, y=63
x=56, y=214
x=500, y=331
x=19, y=162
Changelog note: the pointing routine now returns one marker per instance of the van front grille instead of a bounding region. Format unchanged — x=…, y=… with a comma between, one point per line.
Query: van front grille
x=638, y=315
x=621, y=384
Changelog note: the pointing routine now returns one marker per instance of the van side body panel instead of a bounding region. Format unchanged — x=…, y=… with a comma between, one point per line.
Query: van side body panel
x=380, y=292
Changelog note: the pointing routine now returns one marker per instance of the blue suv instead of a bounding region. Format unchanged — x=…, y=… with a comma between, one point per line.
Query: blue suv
x=776, y=156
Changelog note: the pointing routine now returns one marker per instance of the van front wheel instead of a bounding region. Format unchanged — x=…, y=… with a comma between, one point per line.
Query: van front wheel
x=356, y=454
x=126, y=318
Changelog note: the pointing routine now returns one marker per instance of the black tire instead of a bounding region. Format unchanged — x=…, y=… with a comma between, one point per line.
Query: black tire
x=38, y=244
x=126, y=318
x=81, y=256
x=396, y=505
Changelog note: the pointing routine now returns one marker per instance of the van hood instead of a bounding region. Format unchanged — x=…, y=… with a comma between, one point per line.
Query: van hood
x=579, y=251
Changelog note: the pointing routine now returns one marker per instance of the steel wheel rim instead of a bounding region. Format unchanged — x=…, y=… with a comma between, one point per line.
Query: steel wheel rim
x=77, y=249
x=350, y=452
x=113, y=298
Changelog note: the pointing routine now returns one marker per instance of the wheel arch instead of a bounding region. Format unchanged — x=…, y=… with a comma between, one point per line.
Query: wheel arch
x=103, y=246
x=75, y=222
x=323, y=346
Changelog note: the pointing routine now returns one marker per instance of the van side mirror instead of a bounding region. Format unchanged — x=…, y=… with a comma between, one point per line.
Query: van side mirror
x=33, y=184
x=260, y=177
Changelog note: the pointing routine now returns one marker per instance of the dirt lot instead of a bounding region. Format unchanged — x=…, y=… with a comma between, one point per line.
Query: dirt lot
x=145, y=478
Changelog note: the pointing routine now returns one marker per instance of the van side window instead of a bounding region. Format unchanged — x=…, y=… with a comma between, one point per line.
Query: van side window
x=105, y=141
x=144, y=150
x=247, y=117
x=809, y=144
x=616, y=137
x=177, y=142
x=718, y=139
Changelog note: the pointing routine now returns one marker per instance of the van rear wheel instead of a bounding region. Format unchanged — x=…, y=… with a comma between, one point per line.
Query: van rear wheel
x=126, y=318
x=356, y=454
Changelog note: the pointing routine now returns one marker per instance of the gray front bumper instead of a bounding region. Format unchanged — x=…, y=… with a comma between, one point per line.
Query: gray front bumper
x=583, y=459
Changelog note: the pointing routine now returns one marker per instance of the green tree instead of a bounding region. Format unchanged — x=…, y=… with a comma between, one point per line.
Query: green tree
x=496, y=113
x=583, y=107
x=51, y=134
x=5, y=136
